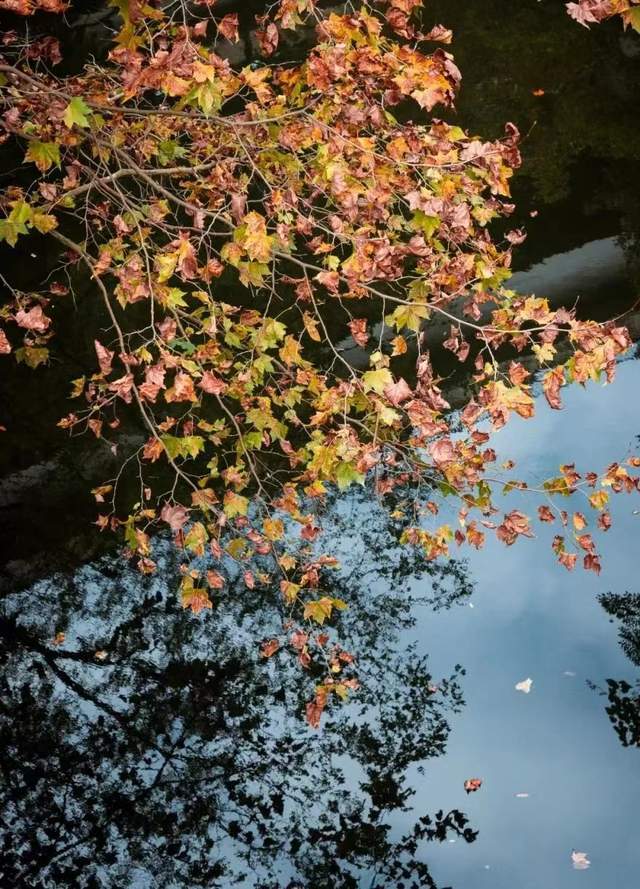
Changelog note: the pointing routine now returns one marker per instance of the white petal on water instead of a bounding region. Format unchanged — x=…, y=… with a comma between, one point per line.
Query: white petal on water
x=524, y=686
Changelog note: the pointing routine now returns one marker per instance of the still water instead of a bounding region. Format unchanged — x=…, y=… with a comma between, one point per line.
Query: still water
x=151, y=748
x=533, y=619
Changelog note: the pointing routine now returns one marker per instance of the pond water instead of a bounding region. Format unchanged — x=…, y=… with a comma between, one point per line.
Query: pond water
x=533, y=619
x=150, y=748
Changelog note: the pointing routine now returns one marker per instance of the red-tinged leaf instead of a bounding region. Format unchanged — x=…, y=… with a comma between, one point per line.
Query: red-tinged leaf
x=592, y=562
x=34, y=319
x=330, y=280
x=439, y=34
x=175, y=516
x=299, y=639
x=182, y=389
x=215, y=580
x=95, y=426
x=228, y=27
x=105, y=358
x=309, y=531
x=5, y=345
x=586, y=542
x=545, y=514
x=474, y=536
x=123, y=387
x=471, y=785
x=514, y=525
x=442, y=451
x=249, y=579
x=315, y=708
x=358, y=328
x=212, y=384
x=267, y=649
x=153, y=450
x=196, y=599
x=268, y=39
x=517, y=373
x=579, y=521
x=398, y=392
x=604, y=521
x=551, y=383
x=167, y=329
x=568, y=560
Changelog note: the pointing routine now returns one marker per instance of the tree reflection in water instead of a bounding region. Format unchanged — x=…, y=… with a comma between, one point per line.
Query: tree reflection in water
x=179, y=757
x=624, y=698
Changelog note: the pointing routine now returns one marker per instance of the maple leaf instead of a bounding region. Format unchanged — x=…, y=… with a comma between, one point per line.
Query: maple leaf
x=215, y=579
x=471, y=785
x=377, y=380
x=253, y=237
x=268, y=39
x=514, y=524
x=175, y=516
x=195, y=598
x=105, y=358
x=551, y=383
x=76, y=112
x=182, y=389
x=34, y=319
x=330, y=280
x=358, y=328
x=273, y=529
x=43, y=154
x=398, y=392
x=228, y=27
x=268, y=649
x=315, y=708
x=212, y=384
x=235, y=505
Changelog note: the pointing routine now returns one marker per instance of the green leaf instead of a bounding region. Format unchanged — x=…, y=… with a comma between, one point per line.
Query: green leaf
x=32, y=356
x=188, y=446
x=426, y=224
x=43, y=154
x=168, y=151
x=347, y=473
x=76, y=113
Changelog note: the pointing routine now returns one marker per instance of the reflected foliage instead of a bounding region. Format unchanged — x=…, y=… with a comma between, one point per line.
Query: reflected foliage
x=624, y=698
x=149, y=748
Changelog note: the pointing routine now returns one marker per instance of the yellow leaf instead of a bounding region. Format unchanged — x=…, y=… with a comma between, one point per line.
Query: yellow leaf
x=377, y=380
x=273, y=529
x=311, y=326
x=235, y=504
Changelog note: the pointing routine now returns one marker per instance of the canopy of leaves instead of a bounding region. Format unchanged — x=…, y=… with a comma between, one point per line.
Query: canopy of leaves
x=237, y=225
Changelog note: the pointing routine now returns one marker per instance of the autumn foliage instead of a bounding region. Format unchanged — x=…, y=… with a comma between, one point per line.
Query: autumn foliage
x=238, y=225
x=589, y=12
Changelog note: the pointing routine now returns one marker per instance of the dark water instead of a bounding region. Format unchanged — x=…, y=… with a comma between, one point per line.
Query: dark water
x=178, y=758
